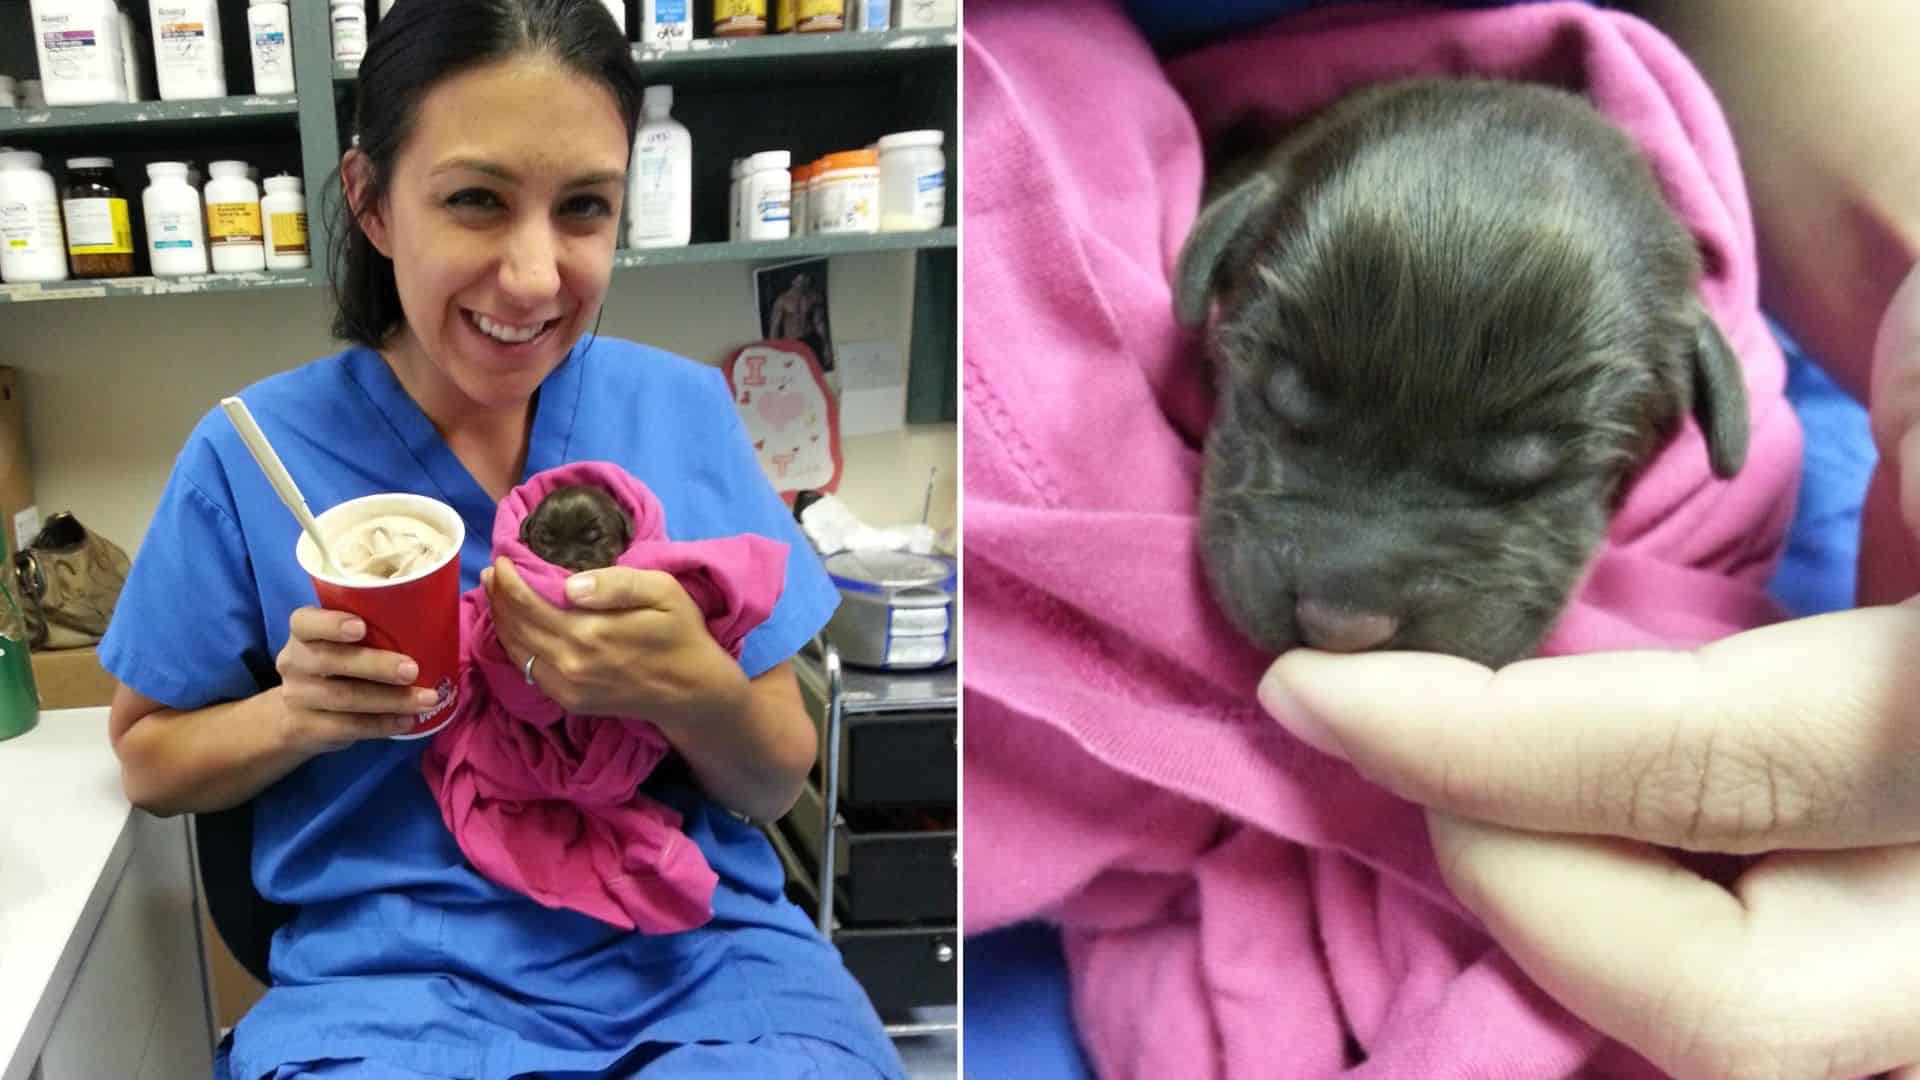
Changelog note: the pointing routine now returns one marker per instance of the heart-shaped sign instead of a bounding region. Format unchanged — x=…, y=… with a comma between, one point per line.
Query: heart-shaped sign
x=790, y=415
x=781, y=407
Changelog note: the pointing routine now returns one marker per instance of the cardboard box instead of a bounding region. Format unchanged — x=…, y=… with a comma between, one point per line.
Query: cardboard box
x=16, y=466
x=72, y=679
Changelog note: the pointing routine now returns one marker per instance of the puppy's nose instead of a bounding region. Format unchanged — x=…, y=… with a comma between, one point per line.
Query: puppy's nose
x=1341, y=629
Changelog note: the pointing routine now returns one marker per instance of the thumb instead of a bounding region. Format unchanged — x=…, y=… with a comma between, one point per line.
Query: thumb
x=1793, y=735
x=621, y=588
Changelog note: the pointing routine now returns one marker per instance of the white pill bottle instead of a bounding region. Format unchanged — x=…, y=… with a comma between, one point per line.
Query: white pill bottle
x=270, y=40
x=769, y=195
x=33, y=245
x=233, y=219
x=187, y=49
x=283, y=214
x=660, y=190
x=176, y=233
x=79, y=47
x=913, y=181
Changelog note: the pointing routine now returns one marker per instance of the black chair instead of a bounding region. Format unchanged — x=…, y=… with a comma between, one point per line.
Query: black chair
x=245, y=920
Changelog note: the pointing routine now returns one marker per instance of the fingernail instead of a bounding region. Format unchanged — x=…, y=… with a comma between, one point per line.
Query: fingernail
x=579, y=587
x=402, y=723
x=425, y=699
x=486, y=578
x=354, y=629
x=1284, y=707
x=408, y=671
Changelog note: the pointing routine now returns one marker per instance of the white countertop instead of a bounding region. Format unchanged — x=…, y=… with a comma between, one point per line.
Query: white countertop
x=64, y=839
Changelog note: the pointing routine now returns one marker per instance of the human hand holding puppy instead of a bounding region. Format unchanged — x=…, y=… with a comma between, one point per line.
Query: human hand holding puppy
x=1553, y=785
x=637, y=645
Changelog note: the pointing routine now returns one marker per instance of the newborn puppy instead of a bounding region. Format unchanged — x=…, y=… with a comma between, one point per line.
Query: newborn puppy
x=1453, y=319
x=577, y=527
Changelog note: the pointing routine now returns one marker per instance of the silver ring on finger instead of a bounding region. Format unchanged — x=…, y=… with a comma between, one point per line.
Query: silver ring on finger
x=526, y=669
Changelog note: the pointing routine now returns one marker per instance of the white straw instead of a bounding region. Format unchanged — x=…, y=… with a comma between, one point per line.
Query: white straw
x=277, y=475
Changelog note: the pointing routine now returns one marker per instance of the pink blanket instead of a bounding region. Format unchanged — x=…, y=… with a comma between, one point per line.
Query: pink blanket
x=1235, y=904
x=545, y=802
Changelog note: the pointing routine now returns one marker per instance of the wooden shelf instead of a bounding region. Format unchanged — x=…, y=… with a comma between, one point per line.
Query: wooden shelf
x=144, y=117
x=102, y=288
x=803, y=248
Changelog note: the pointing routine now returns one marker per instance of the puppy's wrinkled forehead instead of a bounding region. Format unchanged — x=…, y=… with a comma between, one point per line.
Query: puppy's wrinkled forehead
x=1392, y=292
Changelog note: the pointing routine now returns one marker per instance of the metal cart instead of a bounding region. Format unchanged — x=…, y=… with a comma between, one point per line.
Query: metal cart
x=885, y=897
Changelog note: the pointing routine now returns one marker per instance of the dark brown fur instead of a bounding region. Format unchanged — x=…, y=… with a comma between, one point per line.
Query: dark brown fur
x=578, y=527
x=1454, y=318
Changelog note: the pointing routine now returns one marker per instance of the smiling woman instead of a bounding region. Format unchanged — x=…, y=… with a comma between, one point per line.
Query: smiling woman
x=474, y=255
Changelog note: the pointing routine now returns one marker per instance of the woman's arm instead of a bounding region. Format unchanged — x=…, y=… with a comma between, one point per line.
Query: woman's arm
x=753, y=759
x=1820, y=99
x=333, y=693
x=196, y=761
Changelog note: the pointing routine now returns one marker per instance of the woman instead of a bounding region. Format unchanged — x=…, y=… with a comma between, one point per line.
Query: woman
x=476, y=254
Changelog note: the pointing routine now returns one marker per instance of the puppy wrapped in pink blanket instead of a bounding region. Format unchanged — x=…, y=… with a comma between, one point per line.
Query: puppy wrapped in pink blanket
x=1233, y=903
x=546, y=802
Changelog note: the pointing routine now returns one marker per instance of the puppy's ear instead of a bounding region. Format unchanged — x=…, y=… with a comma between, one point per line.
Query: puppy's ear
x=1220, y=223
x=1719, y=396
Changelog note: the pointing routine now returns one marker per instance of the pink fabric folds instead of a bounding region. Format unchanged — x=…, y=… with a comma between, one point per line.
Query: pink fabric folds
x=546, y=802
x=1235, y=904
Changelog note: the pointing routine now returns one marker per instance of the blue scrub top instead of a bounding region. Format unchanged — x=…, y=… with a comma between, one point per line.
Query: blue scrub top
x=400, y=952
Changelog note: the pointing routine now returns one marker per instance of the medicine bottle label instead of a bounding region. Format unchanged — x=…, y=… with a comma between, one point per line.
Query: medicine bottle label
x=233, y=223
x=289, y=232
x=930, y=195
x=820, y=14
x=74, y=54
x=181, y=41
x=653, y=187
x=739, y=15
x=272, y=47
x=29, y=227
x=98, y=227
x=173, y=230
x=671, y=21
x=774, y=207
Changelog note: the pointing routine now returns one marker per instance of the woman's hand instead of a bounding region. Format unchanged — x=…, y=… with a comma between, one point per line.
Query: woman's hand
x=335, y=692
x=1553, y=785
x=635, y=645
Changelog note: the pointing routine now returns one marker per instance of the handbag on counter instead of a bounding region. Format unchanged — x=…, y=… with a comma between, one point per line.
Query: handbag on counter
x=70, y=579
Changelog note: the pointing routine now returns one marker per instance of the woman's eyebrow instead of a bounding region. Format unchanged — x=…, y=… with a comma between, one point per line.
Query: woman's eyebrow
x=595, y=179
x=506, y=175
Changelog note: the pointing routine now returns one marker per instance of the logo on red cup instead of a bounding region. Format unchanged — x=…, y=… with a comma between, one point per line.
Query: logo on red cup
x=417, y=615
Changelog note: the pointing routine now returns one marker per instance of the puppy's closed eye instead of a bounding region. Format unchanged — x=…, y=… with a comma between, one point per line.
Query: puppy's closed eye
x=1292, y=400
x=1509, y=465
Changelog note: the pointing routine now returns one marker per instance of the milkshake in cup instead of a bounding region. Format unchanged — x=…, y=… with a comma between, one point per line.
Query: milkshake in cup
x=398, y=557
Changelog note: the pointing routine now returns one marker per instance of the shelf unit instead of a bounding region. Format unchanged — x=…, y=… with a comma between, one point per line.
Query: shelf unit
x=811, y=93
x=155, y=286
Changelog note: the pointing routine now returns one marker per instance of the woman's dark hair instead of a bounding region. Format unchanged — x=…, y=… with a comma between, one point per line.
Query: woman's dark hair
x=417, y=44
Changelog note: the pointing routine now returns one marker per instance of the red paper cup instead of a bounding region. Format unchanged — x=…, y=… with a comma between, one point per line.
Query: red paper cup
x=417, y=616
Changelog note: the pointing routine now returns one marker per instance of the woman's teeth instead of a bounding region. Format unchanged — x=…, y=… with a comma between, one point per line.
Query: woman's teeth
x=504, y=333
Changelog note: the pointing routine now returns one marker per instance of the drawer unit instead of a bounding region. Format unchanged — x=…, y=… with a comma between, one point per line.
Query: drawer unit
x=872, y=848
x=900, y=967
x=899, y=742
x=889, y=866
x=905, y=967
